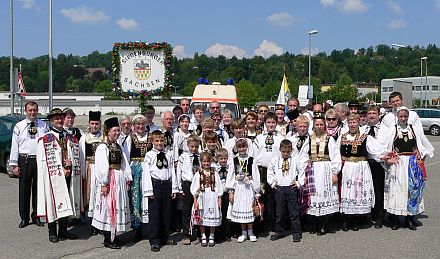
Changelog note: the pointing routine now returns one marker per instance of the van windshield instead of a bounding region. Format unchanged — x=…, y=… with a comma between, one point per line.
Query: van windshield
x=230, y=106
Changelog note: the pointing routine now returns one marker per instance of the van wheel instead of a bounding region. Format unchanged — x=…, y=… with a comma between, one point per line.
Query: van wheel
x=434, y=130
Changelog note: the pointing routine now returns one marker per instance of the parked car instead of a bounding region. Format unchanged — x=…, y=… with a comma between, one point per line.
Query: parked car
x=430, y=119
x=7, y=124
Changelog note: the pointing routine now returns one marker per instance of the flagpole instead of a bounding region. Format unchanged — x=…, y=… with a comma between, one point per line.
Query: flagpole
x=21, y=93
x=11, y=62
x=50, y=58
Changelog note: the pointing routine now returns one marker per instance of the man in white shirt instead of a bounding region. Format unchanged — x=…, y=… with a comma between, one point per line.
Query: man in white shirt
x=22, y=159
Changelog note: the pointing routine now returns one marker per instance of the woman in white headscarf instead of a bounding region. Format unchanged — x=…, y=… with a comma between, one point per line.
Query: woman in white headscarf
x=404, y=179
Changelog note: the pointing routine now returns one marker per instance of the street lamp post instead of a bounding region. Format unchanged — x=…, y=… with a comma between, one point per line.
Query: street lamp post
x=310, y=56
x=421, y=70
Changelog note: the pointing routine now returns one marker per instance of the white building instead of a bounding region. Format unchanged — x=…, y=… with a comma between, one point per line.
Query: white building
x=82, y=103
x=426, y=89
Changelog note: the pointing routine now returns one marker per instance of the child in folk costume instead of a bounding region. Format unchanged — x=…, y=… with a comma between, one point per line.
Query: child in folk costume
x=282, y=125
x=285, y=175
x=301, y=139
x=187, y=165
x=195, y=125
x=322, y=164
x=135, y=149
x=238, y=126
x=404, y=179
x=207, y=127
x=251, y=125
x=88, y=144
x=267, y=146
x=159, y=185
x=211, y=145
x=207, y=191
x=222, y=168
x=292, y=130
x=357, y=192
x=243, y=183
x=226, y=122
x=223, y=136
x=113, y=173
x=181, y=136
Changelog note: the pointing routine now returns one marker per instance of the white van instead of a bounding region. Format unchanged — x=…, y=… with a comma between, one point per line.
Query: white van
x=226, y=95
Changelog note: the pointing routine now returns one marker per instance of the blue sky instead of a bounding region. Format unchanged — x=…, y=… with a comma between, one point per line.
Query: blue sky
x=230, y=27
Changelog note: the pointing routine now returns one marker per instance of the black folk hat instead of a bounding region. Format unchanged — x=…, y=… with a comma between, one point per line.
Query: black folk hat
x=318, y=115
x=55, y=111
x=280, y=107
x=110, y=123
x=94, y=116
x=353, y=103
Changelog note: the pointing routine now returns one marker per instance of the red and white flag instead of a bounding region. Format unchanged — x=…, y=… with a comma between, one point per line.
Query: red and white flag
x=21, y=88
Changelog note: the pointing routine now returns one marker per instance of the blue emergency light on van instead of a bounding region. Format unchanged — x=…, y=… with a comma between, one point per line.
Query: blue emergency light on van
x=230, y=81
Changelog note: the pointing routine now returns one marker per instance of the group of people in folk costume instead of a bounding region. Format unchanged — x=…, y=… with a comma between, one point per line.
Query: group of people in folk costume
x=288, y=170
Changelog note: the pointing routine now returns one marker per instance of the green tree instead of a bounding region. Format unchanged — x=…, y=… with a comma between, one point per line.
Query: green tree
x=247, y=93
x=103, y=86
x=343, y=91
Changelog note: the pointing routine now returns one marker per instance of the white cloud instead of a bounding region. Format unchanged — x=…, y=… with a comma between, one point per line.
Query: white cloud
x=305, y=51
x=353, y=6
x=397, y=24
x=84, y=14
x=27, y=4
x=127, y=24
x=281, y=19
x=395, y=7
x=179, y=52
x=267, y=49
x=327, y=3
x=226, y=50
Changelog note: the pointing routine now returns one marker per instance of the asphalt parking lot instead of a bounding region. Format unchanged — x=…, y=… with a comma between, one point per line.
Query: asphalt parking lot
x=32, y=241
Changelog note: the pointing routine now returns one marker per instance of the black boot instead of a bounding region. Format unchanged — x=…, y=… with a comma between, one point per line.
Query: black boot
x=409, y=223
x=53, y=232
x=139, y=235
x=394, y=221
x=62, y=232
x=323, y=225
x=416, y=222
x=355, y=222
x=344, y=225
x=108, y=243
x=313, y=224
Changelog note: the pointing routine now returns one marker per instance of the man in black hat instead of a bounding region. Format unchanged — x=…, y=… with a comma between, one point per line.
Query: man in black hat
x=88, y=144
x=59, y=177
x=292, y=116
x=353, y=106
x=69, y=122
x=22, y=159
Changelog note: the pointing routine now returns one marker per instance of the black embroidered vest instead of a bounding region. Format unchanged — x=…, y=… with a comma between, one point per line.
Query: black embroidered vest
x=138, y=148
x=351, y=149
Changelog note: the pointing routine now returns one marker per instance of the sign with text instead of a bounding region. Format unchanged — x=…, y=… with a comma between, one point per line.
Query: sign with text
x=141, y=70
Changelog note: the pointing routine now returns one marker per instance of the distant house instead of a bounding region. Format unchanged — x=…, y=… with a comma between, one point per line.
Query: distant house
x=92, y=70
x=362, y=87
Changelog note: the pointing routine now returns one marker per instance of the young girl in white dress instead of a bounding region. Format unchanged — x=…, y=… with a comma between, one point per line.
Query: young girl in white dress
x=243, y=183
x=207, y=190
